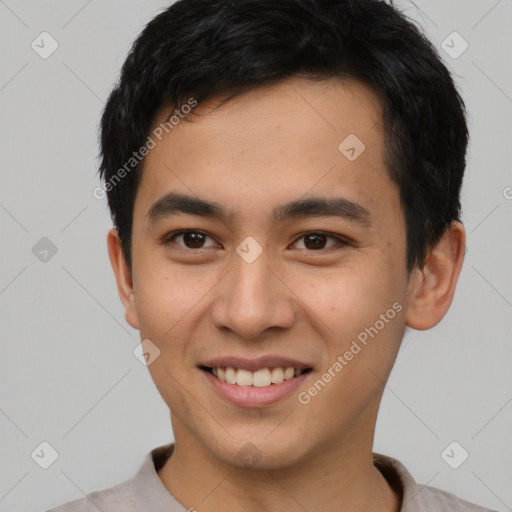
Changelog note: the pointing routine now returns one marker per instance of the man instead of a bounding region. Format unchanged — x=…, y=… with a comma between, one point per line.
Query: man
x=284, y=179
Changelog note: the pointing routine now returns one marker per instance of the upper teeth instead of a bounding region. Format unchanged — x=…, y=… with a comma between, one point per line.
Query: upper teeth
x=259, y=378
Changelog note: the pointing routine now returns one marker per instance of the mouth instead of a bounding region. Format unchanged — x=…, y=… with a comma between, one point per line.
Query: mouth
x=254, y=382
x=261, y=378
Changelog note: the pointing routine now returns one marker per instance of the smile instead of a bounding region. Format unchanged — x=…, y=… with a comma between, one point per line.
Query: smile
x=261, y=378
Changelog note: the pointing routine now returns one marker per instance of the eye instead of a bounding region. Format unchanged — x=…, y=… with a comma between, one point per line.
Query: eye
x=193, y=239
x=190, y=239
x=316, y=241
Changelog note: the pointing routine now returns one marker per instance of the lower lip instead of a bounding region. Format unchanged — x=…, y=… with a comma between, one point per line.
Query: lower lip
x=251, y=396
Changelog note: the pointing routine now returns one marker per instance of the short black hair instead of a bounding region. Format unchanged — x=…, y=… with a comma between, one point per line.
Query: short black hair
x=206, y=48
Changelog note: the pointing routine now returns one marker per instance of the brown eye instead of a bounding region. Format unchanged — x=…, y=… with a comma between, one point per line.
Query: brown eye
x=317, y=241
x=191, y=239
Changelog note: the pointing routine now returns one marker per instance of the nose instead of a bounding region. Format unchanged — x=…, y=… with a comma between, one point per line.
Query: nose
x=252, y=299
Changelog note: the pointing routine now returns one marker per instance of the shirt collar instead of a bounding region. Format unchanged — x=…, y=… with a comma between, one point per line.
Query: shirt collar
x=148, y=492
x=150, y=495
x=403, y=482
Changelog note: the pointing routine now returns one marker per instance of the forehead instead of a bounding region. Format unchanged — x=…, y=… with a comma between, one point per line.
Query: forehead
x=273, y=144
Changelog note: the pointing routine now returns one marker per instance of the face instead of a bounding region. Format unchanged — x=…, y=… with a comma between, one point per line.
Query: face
x=318, y=285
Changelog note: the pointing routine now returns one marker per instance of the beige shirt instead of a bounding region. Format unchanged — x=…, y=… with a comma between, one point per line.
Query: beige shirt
x=145, y=492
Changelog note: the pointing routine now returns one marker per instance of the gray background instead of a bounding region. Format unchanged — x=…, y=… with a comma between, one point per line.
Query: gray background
x=68, y=375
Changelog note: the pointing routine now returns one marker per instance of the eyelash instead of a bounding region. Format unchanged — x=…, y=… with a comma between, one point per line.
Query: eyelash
x=167, y=239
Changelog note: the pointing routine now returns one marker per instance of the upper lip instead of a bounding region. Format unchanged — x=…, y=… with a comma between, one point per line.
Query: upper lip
x=270, y=361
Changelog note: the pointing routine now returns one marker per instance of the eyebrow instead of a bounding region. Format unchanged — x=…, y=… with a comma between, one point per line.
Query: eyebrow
x=175, y=203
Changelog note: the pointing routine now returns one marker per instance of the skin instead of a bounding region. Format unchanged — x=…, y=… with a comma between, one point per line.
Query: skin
x=272, y=145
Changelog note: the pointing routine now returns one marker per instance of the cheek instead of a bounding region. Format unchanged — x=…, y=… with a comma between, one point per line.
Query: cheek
x=157, y=306
x=348, y=298
x=167, y=294
x=361, y=355
x=168, y=304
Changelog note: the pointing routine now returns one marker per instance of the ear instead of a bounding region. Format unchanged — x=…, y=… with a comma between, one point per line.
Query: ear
x=432, y=287
x=123, y=277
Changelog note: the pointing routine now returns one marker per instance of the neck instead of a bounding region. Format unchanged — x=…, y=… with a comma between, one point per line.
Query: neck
x=331, y=478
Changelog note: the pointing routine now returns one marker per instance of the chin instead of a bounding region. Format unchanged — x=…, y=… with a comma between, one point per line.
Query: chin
x=259, y=452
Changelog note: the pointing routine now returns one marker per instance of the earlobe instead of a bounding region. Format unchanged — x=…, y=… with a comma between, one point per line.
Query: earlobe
x=432, y=288
x=123, y=277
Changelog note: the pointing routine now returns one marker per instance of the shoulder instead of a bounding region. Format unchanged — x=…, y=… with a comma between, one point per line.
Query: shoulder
x=417, y=497
x=144, y=491
x=431, y=498
x=114, y=499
